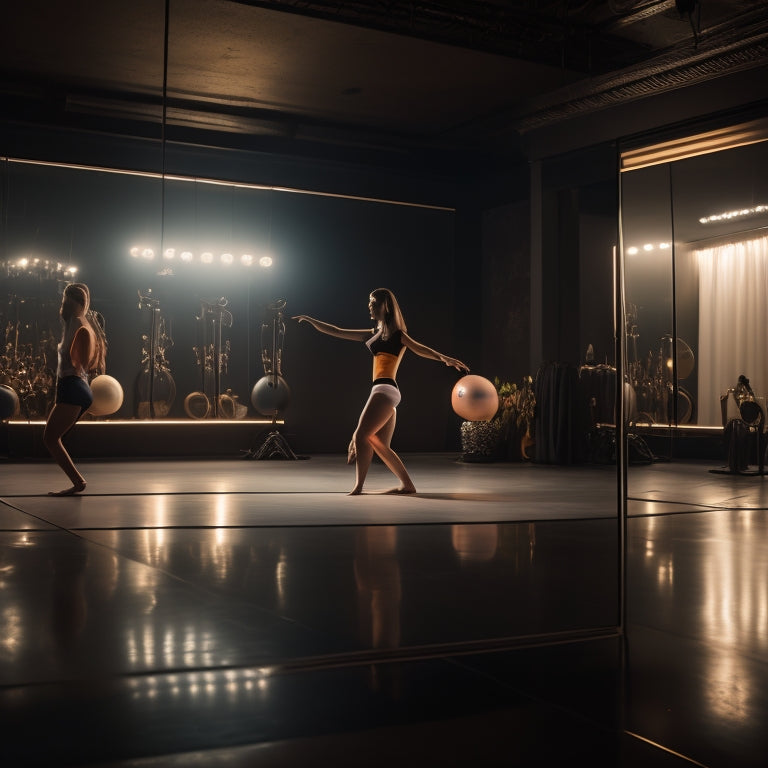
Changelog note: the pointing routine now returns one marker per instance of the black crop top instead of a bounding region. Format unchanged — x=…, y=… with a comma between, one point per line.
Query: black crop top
x=391, y=345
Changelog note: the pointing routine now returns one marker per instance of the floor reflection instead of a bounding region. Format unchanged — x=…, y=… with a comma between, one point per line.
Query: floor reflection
x=379, y=589
x=708, y=576
x=185, y=621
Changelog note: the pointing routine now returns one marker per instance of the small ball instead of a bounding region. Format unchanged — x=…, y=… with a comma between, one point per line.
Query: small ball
x=475, y=398
x=9, y=402
x=270, y=395
x=107, y=395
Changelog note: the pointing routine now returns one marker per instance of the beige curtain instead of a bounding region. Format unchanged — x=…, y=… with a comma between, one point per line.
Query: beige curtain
x=733, y=322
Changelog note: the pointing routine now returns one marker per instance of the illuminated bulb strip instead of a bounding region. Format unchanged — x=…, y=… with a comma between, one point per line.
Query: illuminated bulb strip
x=632, y=250
x=206, y=257
x=37, y=266
x=737, y=214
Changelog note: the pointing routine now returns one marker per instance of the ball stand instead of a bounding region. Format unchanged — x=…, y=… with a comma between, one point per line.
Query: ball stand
x=269, y=397
x=274, y=446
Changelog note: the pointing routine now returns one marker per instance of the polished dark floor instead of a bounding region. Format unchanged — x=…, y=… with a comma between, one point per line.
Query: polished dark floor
x=237, y=613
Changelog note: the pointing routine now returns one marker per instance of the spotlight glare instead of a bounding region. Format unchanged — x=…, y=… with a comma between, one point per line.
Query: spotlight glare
x=632, y=250
x=664, y=246
x=265, y=261
x=227, y=258
x=169, y=253
x=206, y=257
x=148, y=254
x=648, y=247
x=23, y=262
x=135, y=252
x=246, y=259
x=186, y=256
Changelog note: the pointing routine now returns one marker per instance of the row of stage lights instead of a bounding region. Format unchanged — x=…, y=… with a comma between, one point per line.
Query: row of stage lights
x=37, y=267
x=648, y=247
x=739, y=213
x=206, y=257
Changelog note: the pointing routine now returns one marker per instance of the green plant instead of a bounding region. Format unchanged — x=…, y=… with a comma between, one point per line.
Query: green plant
x=516, y=404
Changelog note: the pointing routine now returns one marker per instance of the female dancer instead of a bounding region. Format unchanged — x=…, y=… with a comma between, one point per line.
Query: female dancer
x=377, y=420
x=82, y=350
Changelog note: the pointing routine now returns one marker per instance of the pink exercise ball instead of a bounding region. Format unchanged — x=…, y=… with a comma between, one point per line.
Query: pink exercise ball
x=107, y=395
x=475, y=398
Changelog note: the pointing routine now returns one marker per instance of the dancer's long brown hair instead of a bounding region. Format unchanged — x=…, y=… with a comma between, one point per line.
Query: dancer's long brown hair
x=393, y=317
x=79, y=292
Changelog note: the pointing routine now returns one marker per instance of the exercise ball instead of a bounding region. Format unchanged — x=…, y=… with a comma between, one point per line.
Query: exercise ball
x=475, y=398
x=9, y=402
x=270, y=394
x=107, y=395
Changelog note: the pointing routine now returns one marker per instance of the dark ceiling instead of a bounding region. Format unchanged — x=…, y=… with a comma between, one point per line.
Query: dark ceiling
x=394, y=77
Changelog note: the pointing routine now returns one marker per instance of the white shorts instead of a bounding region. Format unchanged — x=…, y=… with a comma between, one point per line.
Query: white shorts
x=390, y=392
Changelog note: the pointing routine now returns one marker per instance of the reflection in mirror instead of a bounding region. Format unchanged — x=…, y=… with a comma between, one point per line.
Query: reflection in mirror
x=648, y=278
x=695, y=249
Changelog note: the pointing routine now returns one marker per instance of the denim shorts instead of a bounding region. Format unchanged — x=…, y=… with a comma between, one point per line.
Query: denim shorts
x=72, y=390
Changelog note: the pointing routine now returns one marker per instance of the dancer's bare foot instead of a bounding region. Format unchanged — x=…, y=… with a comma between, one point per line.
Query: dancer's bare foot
x=76, y=488
x=355, y=492
x=402, y=490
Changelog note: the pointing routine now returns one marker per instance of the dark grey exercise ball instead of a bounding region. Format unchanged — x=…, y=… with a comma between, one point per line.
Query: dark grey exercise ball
x=270, y=395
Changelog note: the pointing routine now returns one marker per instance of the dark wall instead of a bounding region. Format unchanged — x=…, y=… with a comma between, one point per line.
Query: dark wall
x=506, y=292
x=578, y=214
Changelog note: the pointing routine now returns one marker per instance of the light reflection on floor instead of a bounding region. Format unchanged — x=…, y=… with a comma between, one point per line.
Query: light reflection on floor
x=209, y=620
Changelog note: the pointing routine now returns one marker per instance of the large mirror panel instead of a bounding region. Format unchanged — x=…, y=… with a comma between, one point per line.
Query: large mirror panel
x=694, y=247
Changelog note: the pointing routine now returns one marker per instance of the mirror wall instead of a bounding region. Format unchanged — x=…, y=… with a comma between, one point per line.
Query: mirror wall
x=694, y=246
x=182, y=264
x=186, y=244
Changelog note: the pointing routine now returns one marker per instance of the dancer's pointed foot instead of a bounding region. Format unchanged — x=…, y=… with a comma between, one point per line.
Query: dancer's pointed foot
x=76, y=488
x=355, y=492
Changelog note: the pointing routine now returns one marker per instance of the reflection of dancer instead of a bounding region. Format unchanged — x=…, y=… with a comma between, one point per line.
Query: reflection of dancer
x=81, y=351
x=377, y=420
x=379, y=588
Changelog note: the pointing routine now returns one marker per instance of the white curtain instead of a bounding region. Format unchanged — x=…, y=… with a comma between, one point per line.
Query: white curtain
x=733, y=322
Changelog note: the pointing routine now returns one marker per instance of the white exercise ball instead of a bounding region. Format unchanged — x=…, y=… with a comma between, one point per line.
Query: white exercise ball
x=107, y=395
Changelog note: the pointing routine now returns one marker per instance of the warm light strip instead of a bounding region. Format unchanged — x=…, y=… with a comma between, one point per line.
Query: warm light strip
x=740, y=213
x=664, y=749
x=223, y=183
x=158, y=422
x=731, y=137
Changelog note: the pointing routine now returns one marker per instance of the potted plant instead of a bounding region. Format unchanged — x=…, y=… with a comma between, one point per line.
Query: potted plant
x=519, y=405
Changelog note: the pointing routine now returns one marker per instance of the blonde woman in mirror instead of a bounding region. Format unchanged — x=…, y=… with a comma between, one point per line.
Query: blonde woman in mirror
x=387, y=342
x=82, y=351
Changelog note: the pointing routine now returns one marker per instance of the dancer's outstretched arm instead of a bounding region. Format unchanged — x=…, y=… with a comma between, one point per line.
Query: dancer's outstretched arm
x=350, y=334
x=431, y=354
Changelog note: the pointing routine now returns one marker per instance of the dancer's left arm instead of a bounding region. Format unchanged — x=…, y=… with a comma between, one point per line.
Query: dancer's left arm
x=432, y=354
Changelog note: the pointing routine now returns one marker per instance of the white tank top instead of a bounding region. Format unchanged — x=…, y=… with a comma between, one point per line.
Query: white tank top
x=66, y=367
